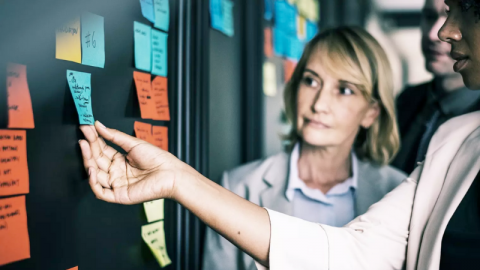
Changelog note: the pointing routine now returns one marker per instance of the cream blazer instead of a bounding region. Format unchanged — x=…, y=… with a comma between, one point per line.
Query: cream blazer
x=402, y=231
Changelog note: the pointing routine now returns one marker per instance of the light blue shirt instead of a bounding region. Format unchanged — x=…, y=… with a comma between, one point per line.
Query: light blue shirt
x=336, y=208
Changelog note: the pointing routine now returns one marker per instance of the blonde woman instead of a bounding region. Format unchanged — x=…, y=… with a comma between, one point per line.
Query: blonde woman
x=340, y=104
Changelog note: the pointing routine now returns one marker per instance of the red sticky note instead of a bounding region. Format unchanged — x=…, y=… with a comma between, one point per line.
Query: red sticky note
x=160, y=137
x=13, y=162
x=267, y=44
x=20, y=113
x=144, y=93
x=160, y=98
x=288, y=68
x=13, y=230
x=143, y=131
x=73, y=268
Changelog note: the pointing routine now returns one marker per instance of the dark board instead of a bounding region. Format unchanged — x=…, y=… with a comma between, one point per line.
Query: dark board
x=67, y=225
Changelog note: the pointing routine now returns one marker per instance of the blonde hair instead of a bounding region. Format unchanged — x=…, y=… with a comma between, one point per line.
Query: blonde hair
x=351, y=53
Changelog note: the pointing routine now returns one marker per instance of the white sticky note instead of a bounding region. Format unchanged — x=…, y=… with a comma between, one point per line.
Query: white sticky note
x=154, y=210
x=154, y=236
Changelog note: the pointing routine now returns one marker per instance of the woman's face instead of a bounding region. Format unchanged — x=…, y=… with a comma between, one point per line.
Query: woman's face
x=330, y=111
x=462, y=31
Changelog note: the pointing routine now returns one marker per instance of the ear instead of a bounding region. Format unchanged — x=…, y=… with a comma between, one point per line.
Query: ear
x=371, y=115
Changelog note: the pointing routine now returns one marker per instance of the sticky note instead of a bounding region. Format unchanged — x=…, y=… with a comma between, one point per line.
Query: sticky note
x=154, y=236
x=20, y=113
x=13, y=162
x=147, y=10
x=13, y=230
x=309, y=9
x=267, y=42
x=68, y=45
x=268, y=10
x=312, y=30
x=160, y=98
x=79, y=83
x=154, y=210
x=288, y=68
x=159, y=53
x=160, y=137
x=280, y=42
x=74, y=268
x=301, y=28
x=143, y=131
x=269, y=79
x=295, y=49
x=142, y=44
x=216, y=14
x=93, y=40
x=286, y=17
x=144, y=94
x=227, y=10
x=162, y=14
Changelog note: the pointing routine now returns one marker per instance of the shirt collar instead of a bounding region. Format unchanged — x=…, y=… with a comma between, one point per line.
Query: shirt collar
x=456, y=102
x=294, y=182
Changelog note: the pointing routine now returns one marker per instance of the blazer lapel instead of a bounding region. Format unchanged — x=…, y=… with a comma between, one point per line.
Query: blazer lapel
x=463, y=169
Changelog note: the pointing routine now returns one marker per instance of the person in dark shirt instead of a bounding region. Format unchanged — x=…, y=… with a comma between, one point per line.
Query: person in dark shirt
x=423, y=108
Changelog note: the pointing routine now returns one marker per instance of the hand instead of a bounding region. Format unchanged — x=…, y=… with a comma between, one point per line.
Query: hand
x=145, y=173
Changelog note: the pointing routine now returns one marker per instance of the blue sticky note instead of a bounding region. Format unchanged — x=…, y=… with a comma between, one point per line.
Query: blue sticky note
x=93, y=40
x=312, y=30
x=216, y=14
x=159, y=53
x=147, y=10
x=280, y=42
x=286, y=17
x=79, y=83
x=162, y=14
x=268, y=12
x=295, y=49
x=227, y=10
x=141, y=33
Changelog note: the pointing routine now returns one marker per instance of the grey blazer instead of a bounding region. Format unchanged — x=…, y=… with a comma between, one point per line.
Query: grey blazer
x=264, y=182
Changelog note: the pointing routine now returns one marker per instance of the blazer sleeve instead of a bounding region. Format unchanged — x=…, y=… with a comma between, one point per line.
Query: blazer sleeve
x=219, y=253
x=374, y=240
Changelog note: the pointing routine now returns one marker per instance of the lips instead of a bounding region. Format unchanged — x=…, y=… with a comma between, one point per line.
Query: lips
x=317, y=124
x=462, y=60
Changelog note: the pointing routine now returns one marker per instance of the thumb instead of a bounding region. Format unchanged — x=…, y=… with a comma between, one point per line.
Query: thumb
x=126, y=142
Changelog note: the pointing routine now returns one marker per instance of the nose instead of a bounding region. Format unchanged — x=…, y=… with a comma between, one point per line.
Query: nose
x=433, y=33
x=450, y=32
x=322, y=101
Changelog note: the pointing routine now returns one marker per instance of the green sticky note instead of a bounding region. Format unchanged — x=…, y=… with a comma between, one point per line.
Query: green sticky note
x=154, y=210
x=79, y=83
x=154, y=236
x=93, y=40
x=162, y=14
x=159, y=53
x=141, y=33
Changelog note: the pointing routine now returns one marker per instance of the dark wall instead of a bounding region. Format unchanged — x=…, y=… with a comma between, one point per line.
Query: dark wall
x=67, y=225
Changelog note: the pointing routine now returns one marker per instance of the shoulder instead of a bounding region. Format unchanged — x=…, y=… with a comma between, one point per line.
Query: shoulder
x=385, y=177
x=253, y=172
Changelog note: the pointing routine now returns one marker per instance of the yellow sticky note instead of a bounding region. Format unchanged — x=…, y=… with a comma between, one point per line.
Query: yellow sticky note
x=301, y=28
x=269, y=79
x=154, y=236
x=68, y=45
x=154, y=210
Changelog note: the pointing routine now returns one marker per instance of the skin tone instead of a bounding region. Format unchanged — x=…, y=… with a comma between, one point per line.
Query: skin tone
x=330, y=112
x=436, y=52
x=462, y=32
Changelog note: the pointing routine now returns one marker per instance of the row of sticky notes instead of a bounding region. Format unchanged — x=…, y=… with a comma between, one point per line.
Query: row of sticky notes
x=150, y=49
x=157, y=12
x=82, y=40
x=221, y=14
x=20, y=112
x=80, y=87
x=307, y=8
x=152, y=96
x=155, y=135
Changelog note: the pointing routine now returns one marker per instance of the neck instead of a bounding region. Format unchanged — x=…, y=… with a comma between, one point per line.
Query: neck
x=449, y=83
x=324, y=167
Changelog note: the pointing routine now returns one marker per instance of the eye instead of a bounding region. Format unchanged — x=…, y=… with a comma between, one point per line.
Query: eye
x=346, y=91
x=310, y=82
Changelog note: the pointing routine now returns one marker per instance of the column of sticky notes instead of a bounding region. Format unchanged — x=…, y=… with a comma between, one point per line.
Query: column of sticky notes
x=150, y=51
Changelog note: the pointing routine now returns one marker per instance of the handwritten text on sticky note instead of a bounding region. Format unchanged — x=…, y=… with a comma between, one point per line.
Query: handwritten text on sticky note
x=162, y=14
x=143, y=131
x=144, y=93
x=68, y=45
x=93, y=40
x=13, y=230
x=20, y=113
x=13, y=162
x=159, y=53
x=80, y=87
x=154, y=210
x=160, y=98
x=154, y=236
x=141, y=34
x=160, y=137
x=147, y=10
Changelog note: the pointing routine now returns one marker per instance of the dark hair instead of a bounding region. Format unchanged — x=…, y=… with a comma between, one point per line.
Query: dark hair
x=465, y=5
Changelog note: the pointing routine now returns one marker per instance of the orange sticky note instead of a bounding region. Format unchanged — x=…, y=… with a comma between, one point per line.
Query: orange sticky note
x=160, y=98
x=13, y=162
x=288, y=68
x=74, y=268
x=144, y=93
x=267, y=44
x=160, y=137
x=20, y=113
x=143, y=131
x=13, y=230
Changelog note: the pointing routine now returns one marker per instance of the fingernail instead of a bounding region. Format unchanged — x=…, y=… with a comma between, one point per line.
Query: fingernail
x=89, y=171
x=101, y=125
